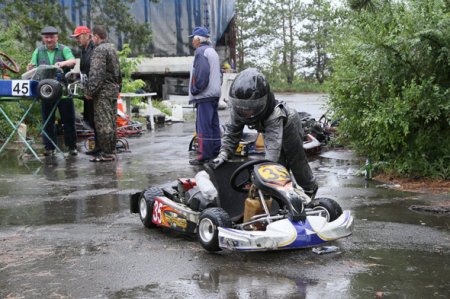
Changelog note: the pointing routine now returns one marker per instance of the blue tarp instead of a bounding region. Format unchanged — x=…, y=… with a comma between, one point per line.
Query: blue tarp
x=171, y=21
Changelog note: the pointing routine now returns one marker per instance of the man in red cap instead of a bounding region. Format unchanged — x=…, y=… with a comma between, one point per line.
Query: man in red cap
x=83, y=36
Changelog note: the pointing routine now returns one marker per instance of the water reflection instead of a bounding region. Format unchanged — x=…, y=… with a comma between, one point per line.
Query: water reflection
x=64, y=211
x=64, y=192
x=402, y=274
x=223, y=284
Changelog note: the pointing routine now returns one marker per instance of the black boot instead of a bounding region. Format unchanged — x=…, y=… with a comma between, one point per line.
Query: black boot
x=312, y=193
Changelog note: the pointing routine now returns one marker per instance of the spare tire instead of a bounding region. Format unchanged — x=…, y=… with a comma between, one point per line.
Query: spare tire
x=49, y=89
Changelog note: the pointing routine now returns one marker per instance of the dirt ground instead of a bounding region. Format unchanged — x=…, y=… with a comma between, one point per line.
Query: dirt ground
x=416, y=185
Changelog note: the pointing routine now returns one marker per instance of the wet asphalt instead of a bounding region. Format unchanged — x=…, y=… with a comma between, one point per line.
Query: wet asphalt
x=66, y=232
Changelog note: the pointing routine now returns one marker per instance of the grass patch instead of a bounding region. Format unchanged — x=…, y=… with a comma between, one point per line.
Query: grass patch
x=160, y=106
x=300, y=86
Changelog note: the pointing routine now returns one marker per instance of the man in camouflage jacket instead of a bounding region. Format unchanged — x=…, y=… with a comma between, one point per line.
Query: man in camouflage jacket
x=103, y=89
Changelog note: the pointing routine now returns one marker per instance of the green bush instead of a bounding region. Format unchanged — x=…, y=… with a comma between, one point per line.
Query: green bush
x=390, y=87
x=11, y=45
x=161, y=107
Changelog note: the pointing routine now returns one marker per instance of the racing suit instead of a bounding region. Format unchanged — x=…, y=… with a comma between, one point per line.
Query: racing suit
x=283, y=142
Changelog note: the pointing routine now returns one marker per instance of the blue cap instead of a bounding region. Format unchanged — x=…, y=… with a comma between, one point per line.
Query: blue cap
x=200, y=31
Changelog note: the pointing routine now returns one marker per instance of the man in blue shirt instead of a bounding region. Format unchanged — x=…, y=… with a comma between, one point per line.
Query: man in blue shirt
x=204, y=92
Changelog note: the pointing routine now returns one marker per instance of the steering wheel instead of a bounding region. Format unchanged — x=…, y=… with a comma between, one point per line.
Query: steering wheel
x=248, y=166
x=9, y=63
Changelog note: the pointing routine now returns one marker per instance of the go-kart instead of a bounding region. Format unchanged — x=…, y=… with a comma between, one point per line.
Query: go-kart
x=54, y=83
x=258, y=208
x=47, y=82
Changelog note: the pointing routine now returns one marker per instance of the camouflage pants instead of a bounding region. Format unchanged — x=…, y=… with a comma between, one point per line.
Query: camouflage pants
x=105, y=117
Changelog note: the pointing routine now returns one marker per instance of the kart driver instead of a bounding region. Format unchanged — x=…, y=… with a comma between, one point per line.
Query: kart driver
x=253, y=104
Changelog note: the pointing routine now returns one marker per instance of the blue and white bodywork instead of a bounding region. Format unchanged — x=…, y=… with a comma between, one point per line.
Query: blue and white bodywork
x=288, y=234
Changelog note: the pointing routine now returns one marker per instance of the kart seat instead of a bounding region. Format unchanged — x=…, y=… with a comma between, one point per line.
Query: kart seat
x=230, y=200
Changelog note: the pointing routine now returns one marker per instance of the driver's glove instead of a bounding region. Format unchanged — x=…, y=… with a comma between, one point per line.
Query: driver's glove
x=221, y=158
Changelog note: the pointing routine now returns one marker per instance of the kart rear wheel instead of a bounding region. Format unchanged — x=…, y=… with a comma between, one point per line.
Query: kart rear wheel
x=49, y=89
x=146, y=205
x=330, y=208
x=207, y=230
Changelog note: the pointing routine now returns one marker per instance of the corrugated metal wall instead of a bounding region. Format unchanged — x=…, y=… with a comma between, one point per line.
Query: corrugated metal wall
x=171, y=21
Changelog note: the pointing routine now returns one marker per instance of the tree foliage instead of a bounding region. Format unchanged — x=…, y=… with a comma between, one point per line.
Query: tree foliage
x=115, y=16
x=128, y=67
x=248, y=19
x=33, y=15
x=391, y=84
x=317, y=37
x=13, y=47
x=279, y=36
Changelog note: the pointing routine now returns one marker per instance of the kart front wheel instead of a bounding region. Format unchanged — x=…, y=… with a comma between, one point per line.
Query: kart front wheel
x=146, y=205
x=207, y=230
x=328, y=207
x=49, y=89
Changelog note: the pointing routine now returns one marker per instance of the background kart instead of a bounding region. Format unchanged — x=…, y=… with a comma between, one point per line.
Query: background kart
x=252, y=143
x=253, y=206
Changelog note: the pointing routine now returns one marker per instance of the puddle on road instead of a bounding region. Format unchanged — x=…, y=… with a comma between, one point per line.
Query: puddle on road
x=368, y=200
x=71, y=210
x=402, y=274
x=223, y=284
x=391, y=273
x=398, y=211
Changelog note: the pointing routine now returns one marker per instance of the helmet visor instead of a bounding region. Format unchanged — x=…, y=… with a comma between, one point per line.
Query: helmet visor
x=249, y=109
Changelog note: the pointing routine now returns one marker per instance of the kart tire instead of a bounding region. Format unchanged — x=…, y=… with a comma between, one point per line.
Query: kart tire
x=193, y=145
x=207, y=230
x=146, y=202
x=49, y=89
x=332, y=209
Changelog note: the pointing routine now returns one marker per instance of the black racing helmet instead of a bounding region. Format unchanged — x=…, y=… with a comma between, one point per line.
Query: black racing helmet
x=250, y=95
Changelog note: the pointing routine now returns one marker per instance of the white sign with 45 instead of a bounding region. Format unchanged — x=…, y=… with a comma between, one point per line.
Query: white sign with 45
x=20, y=88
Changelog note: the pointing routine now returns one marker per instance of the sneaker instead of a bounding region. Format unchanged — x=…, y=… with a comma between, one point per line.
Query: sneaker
x=49, y=153
x=104, y=158
x=197, y=162
x=73, y=152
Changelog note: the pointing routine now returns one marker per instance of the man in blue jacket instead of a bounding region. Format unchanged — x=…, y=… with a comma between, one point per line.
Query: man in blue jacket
x=204, y=92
